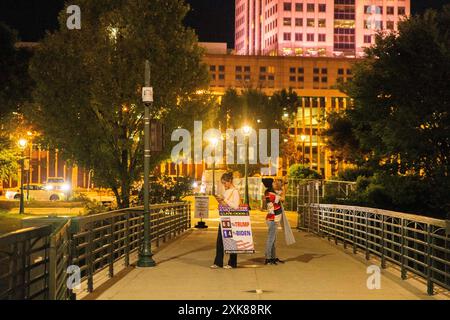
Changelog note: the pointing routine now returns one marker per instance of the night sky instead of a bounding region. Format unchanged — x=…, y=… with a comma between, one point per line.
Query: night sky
x=212, y=19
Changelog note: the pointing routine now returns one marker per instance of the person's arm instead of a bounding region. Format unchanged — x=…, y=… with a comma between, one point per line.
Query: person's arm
x=234, y=199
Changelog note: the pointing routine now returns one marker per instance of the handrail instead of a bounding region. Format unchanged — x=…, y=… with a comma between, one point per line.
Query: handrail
x=419, y=245
x=34, y=262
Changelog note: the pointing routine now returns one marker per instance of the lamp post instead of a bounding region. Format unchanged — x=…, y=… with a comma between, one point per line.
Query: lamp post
x=247, y=130
x=303, y=138
x=214, y=141
x=22, y=146
x=145, y=253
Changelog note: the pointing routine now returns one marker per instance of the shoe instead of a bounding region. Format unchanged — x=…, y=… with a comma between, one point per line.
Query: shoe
x=214, y=266
x=270, y=261
x=227, y=267
x=280, y=261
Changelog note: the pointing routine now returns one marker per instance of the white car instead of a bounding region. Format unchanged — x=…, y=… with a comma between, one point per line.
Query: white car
x=57, y=184
x=36, y=192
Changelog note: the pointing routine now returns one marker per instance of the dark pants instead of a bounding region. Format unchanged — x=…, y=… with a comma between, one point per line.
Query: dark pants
x=218, y=261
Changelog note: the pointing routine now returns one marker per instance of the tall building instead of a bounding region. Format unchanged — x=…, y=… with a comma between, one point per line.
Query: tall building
x=313, y=27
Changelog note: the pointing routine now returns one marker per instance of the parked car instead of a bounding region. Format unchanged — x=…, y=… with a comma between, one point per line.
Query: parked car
x=36, y=192
x=56, y=183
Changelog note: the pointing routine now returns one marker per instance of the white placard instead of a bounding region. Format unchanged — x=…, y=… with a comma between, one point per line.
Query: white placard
x=201, y=207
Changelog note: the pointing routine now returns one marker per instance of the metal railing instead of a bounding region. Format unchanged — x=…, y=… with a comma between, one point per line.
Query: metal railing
x=34, y=262
x=24, y=261
x=99, y=241
x=417, y=244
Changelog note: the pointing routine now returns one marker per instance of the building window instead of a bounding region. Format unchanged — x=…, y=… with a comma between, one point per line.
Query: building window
x=310, y=22
x=221, y=76
x=298, y=22
x=292, y=78
x=287, y=21
x=310, y=7
x=238, y=68
x=299, y=37
x=316, y=70
x=262, y=78
x=390, y=25
x=299, y=7
x=316, y=79
x=401, y=11
x=287, y=6
x=292, y=70
x=324, y=79
x=390, y=10
x=322, y=7
x=322, y=23
x=263, y=69
x=340, y=71
x=301, y=70
x=222, y=68
x=349, y=71
x=324, y=71
x=213, y=76
x=247, y=69
x=310, y=37
x=287, y=36
x=238, y=77
x=271, y=77
x=212, y=68
x=247, y=77
x=322, y=37
x=301, y=79
x=367, y=38
x=373, y=9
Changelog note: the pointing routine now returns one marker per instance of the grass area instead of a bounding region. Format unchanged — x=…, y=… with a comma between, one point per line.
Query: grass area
x=10, y=222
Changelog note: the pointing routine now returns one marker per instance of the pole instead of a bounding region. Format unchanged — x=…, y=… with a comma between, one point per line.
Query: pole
x=246, y=198
x=145, y=254
x=214, y=175
x=303, y=152
x=21, y=206
x=29, y=172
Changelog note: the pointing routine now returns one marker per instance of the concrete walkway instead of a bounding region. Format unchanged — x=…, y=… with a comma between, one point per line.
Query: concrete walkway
x=314, y=269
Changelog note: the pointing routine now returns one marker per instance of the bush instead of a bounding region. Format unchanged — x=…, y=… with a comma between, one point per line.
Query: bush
x=166, y=189
x=298, y=171
x=354, y=173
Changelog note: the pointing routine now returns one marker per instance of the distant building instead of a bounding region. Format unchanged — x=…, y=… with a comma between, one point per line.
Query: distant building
x=313, y=27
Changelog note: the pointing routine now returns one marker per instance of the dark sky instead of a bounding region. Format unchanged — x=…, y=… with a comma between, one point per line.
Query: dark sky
x=212, y=19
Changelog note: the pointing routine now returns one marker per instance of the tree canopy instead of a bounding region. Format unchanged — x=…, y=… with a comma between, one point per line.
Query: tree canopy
x=400, y=122
x=88, y=83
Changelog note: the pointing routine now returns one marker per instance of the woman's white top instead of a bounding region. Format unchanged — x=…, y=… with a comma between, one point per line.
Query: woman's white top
x=232, y=198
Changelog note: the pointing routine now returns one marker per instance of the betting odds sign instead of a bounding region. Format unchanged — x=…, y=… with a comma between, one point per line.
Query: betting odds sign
x=237, y=233
x=201, y=207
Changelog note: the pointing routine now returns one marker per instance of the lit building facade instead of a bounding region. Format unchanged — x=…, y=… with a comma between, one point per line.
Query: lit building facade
x=313, y=27
x=314, y=79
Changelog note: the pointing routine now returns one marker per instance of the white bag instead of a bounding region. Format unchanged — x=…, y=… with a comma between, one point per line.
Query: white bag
x=288, y=234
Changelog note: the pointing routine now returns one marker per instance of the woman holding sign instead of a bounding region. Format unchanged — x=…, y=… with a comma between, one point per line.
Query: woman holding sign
x=232, y=199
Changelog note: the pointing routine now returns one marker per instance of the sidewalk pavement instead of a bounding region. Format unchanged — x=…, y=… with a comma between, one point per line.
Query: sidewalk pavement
x=314, y=269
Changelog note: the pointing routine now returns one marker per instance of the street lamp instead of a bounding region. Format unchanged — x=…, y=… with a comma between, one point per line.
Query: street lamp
x=22, y=145
x=247, y=130
x=145, y=253
x=303, y=138
x=214, y=141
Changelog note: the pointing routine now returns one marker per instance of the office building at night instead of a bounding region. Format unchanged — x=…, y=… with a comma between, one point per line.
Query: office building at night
x=314, y=27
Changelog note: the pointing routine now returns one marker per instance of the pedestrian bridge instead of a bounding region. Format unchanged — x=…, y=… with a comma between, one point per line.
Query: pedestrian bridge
x=337, y=255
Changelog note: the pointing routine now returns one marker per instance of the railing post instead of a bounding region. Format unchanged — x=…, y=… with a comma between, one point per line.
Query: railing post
x=383, y=244
x=344, y=227
x=430, y=284
x=111, y=248
x=90, y=258
x=402, y=250
x=367, y=236
x=355, y=247
x=127, y=240
x=52, y=269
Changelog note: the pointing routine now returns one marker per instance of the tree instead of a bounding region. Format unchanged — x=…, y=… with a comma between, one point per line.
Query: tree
x=88, y=83
x=401, y=113
x=16, y=84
